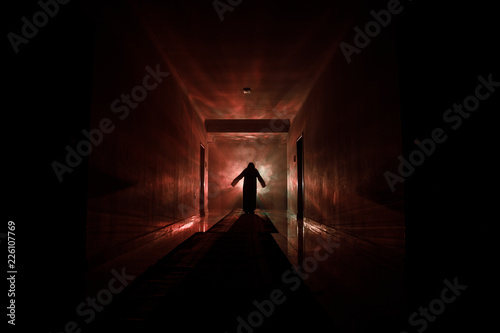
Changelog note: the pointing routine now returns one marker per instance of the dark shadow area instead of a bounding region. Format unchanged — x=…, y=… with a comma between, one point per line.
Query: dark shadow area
x=100, y=183
x=253, y=223
x=233, y=278
x=48, y=95
x=447, y=203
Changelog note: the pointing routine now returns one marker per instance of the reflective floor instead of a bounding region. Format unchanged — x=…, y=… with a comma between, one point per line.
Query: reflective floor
x=268, y=272
x=231, y=278
x=359, y=283
x=162, y=241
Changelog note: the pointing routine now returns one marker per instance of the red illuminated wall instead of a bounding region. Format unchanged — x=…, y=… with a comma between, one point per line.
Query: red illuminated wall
x=229, y=156
x=149, y=164
x=351, y=133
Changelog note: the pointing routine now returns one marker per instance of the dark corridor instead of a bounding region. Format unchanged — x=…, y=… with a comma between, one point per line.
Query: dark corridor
x=125, y=122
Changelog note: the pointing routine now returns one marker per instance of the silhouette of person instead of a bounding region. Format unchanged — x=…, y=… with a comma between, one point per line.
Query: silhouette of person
x=251, y=175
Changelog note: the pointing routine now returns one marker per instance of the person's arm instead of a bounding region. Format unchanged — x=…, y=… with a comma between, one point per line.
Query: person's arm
x=261, y=181
x=237, y=179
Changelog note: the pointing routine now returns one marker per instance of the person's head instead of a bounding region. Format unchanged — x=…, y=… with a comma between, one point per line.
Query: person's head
x=251, y=165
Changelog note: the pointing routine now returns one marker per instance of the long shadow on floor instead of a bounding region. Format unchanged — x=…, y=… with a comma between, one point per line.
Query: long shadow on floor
x=233, y=278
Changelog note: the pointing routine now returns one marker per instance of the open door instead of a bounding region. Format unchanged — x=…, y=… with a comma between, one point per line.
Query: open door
x=202, y=180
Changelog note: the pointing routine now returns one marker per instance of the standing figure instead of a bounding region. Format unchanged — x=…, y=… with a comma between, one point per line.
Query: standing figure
x=251, y=175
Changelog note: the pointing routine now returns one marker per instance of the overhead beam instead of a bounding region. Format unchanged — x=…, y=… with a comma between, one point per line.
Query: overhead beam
x=247, y=125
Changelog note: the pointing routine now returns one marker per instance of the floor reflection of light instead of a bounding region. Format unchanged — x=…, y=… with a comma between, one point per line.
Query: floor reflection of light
x=185, y=226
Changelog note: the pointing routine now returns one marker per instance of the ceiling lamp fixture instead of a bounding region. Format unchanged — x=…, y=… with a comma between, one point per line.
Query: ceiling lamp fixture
x=247, y=91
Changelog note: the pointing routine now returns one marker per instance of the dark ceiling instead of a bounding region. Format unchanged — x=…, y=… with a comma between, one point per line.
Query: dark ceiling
x=276, y=48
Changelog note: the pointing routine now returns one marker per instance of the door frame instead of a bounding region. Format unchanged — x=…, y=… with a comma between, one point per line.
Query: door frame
x=202, y=179
x=300, y=176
